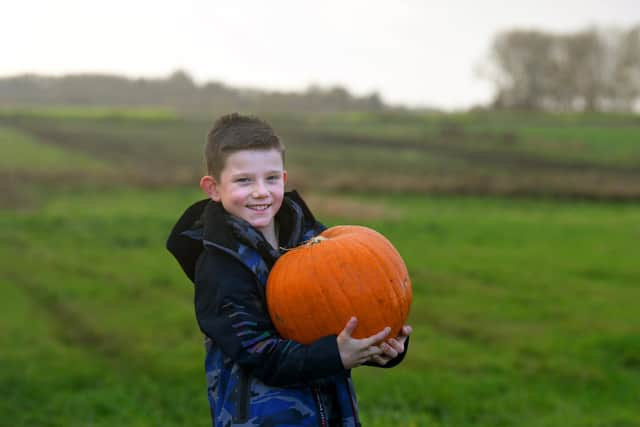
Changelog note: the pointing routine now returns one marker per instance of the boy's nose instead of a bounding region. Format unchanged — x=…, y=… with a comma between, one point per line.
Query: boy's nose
x=259, y=190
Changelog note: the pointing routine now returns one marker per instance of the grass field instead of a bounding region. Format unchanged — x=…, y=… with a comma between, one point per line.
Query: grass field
x=593, y=157
x=524, y=311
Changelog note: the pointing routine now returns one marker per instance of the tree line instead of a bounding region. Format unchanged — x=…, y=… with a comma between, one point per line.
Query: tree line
x=588, y=70
x=176, y=91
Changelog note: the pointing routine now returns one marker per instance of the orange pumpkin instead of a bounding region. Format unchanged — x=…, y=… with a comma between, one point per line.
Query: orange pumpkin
x=314, y=289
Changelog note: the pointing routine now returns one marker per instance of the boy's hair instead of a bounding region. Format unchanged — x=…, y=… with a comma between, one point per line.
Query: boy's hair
x=234, y=132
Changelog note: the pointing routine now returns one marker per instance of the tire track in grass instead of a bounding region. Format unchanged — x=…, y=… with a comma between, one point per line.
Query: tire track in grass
x=460, y=147
x=71, y=327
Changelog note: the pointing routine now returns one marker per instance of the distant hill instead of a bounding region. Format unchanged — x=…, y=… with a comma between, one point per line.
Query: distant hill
x=177, y=91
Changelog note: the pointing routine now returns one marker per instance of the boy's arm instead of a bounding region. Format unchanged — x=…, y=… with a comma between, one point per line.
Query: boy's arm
x=230, y=309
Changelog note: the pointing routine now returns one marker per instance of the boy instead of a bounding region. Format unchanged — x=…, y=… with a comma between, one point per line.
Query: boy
x=227, y=244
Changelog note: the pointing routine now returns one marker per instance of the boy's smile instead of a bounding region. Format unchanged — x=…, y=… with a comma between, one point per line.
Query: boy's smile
x=251, y=187
x=258, y=207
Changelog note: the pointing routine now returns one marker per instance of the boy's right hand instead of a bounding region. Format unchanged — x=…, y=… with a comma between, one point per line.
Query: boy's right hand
x=355, y=352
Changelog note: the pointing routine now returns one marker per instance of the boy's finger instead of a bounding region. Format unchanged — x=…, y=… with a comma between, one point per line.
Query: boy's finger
x=373, y=339
x=396, y=345
x=380, y=360
x=350, y=326
x=374, y=350
x=406, y=330
x=389, y=350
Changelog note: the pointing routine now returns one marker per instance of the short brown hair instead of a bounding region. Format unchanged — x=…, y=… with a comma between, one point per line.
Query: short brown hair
x=234, y=132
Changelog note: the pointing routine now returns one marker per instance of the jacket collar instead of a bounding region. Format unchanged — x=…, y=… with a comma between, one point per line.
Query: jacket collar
x=213, y=226
x=204, y=223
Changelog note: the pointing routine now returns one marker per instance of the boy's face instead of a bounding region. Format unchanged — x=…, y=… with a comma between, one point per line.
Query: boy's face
x=251, y=186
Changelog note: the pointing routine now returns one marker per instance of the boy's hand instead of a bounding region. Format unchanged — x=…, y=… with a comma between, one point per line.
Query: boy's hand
x=392, y=348
x=355, y=352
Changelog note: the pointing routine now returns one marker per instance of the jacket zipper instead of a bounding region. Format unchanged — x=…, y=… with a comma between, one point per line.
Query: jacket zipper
x=352, y=400
x=243, y=402
x=322, y=414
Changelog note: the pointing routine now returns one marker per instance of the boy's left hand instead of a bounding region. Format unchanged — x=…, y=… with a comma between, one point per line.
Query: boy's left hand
x=392, y=347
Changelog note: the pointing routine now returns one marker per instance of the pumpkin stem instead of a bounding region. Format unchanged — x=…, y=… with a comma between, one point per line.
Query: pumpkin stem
x=312, y=241
x=315, y=240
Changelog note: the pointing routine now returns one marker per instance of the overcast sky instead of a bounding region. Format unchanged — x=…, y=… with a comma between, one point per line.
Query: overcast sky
x=420, y=53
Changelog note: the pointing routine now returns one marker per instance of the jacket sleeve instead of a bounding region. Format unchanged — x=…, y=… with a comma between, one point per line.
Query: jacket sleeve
x=231, y=309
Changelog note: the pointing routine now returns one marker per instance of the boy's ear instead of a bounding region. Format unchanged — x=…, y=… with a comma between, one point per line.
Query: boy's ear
x=284, y=176
x=210, y=186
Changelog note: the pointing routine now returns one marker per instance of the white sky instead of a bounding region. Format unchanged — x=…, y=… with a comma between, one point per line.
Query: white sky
x=419, y=53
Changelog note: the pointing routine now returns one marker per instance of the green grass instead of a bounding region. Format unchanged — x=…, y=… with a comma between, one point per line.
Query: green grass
x=524, y=309
x=590, y=156
x=523, y=313
x=84, y=113
x=22, y=152
x=608, y=139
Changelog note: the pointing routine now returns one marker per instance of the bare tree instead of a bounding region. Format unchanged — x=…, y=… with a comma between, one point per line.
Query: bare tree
x=588, y=70
x=523, y=70
x=625, y=85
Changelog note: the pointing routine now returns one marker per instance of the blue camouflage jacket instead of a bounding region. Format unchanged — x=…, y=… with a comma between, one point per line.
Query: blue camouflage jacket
x=255, y=377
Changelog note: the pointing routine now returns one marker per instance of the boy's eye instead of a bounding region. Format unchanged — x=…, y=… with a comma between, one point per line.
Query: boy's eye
x=242, y=180
x=273, y=177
